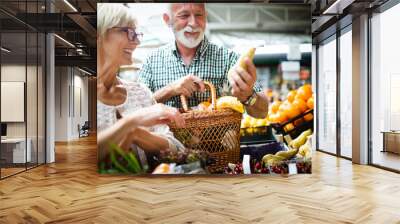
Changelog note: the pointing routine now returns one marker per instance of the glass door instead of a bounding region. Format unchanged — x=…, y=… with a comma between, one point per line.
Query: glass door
x=13, y=103
x=346, y=93
x=22, y=88
x=385, y=89
x=326, y=99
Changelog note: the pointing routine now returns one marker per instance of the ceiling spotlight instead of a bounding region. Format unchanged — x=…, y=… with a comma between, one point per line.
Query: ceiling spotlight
x=71, y=6
x=84, y=71
x=337, y=7
x=5, y=50
x=64, y=40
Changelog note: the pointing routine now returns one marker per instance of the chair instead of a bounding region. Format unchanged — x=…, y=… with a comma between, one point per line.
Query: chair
x=84, y=130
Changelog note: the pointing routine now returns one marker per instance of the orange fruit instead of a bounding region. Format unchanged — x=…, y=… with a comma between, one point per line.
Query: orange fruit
x=272, y=118
x=275, y=106
x=310, y=103
x=301, y=104
x=292, y=111
x=308, y=87
x=284, y=105
x=304, y=92
x=291, y=95
x=280, y=117
x=308, y=117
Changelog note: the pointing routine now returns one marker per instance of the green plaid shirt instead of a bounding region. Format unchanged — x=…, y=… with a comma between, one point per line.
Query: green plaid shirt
x=211, y=63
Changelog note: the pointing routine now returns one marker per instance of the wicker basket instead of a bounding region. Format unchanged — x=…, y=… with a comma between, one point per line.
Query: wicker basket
x=217, y=132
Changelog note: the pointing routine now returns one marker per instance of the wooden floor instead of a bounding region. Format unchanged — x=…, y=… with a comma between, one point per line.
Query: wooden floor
x=10, y=171
x=71, y=191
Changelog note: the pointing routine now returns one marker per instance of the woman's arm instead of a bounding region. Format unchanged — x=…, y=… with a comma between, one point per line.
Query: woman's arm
x=116, y=133
x=146, y=140
x=148, y=116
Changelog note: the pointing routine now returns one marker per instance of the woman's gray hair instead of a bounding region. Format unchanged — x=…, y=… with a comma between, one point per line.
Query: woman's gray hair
x=110, y=15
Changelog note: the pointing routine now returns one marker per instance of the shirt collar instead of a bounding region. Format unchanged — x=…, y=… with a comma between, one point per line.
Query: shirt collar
x=200, y=50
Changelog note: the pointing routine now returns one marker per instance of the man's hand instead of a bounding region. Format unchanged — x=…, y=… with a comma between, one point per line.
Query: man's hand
x=187, y=86
x=242, y=81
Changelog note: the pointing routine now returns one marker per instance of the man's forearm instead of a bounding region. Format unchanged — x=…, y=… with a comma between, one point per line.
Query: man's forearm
x=260, y=108
x=164, y=94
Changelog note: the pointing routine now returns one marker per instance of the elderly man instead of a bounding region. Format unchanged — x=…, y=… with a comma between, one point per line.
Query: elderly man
x=180, y=68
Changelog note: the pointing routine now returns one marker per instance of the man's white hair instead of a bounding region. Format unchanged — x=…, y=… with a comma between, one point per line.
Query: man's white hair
x=111, y=15
x=169, y=8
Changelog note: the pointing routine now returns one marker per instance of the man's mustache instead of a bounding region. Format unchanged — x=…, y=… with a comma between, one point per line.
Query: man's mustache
x=189, y=29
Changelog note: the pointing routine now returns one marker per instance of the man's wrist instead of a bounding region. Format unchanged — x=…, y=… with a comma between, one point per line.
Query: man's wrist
x=250, y=100
x=172, y=91
x=164, y=93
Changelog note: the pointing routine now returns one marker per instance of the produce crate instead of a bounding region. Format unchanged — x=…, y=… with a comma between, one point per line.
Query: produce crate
x=299, y=123
x=258, y=151
x=258, y=135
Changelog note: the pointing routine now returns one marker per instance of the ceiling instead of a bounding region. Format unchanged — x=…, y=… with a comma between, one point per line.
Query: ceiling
x=235, y=26
x=330, y=15
x=74, y=22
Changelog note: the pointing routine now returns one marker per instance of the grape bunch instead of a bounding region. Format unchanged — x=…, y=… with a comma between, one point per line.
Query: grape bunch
x=258, y=167
x=280, y=169
x=303, y=167
x=234, y=168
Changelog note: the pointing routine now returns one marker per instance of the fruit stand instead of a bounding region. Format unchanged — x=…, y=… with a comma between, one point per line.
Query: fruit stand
x=293, y=120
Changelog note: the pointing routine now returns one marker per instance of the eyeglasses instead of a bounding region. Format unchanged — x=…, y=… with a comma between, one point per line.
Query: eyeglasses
x=132, y=35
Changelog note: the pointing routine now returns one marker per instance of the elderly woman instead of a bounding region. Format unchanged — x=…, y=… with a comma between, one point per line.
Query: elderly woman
x=127, y=114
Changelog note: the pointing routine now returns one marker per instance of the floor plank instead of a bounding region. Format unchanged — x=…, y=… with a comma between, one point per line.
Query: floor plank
x=71, y=191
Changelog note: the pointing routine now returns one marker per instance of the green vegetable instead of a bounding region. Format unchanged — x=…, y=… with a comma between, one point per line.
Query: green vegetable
x=130, y=158
x=134, y=163
x=116, y=163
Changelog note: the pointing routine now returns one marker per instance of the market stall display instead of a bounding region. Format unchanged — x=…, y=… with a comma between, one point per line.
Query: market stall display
x=255, y=131
x=279, y=158
x=295, y=114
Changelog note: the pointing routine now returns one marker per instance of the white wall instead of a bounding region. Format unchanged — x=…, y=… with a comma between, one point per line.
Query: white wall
x=61, y=103
x=69, y=82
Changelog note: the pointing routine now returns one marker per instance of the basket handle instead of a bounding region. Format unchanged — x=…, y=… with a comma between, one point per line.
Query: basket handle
x=213, y=97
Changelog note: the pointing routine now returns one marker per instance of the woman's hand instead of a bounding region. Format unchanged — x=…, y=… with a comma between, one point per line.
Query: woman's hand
x=157, y=114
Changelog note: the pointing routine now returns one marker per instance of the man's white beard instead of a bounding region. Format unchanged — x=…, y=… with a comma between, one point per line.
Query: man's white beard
x=189, y=42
